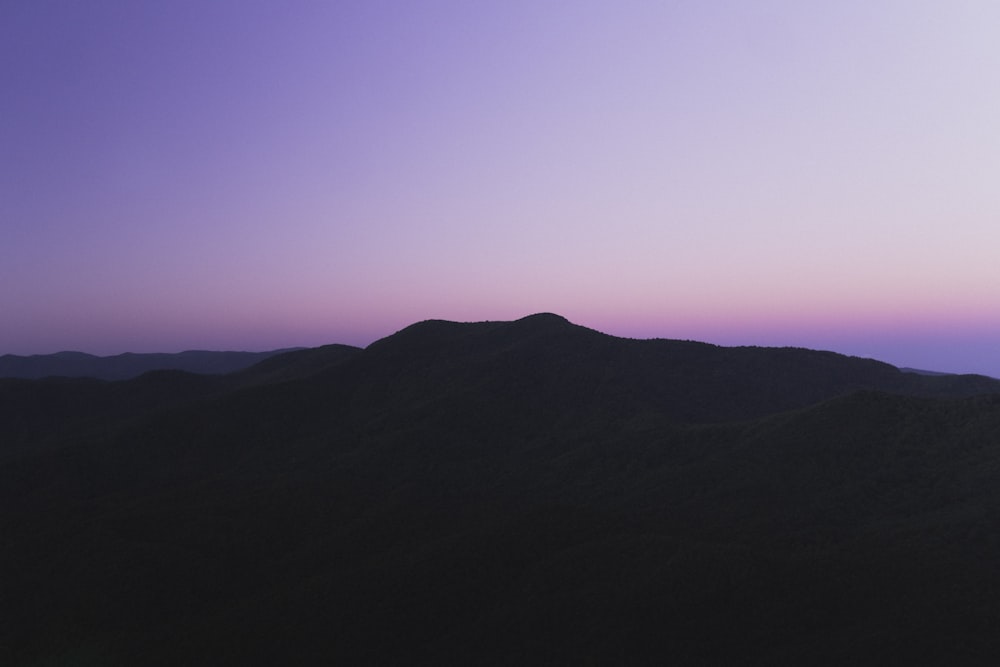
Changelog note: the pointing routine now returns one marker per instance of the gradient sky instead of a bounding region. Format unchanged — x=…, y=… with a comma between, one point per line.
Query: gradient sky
x=248, y=175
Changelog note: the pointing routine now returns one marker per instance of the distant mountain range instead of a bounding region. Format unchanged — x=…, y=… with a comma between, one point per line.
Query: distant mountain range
x=126, y=366
x=919, y=371
x=527, y=492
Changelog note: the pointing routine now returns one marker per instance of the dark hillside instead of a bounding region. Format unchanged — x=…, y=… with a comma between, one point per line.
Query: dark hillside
x=545, y=362
x=41, y=413
x=35, y=414
x=526, y=492
x=295, y=365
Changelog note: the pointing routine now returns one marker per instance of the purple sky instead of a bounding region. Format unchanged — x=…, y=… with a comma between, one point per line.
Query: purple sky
x=250, y=175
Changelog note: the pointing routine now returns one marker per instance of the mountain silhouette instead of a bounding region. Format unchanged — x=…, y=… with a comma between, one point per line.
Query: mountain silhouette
x=504, y=492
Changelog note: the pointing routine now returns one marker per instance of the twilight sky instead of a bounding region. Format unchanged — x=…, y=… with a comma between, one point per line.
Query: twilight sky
x=241, y=174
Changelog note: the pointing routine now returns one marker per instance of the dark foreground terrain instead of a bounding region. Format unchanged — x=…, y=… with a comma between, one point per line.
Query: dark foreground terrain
x=526, y=492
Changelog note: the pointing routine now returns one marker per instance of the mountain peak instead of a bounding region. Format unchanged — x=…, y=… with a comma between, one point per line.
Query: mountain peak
x=547, y=319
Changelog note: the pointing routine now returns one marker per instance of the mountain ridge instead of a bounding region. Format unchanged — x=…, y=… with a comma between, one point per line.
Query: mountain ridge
x=127, y=365
x=500, y=493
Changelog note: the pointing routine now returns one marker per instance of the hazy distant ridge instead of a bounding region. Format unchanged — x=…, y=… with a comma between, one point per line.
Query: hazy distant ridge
x=128, y=365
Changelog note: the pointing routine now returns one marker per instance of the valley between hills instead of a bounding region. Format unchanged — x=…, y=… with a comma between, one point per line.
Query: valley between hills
x=525, y=492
